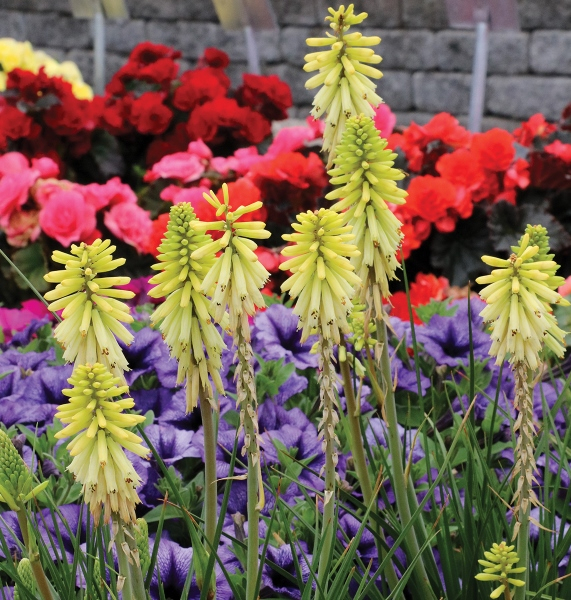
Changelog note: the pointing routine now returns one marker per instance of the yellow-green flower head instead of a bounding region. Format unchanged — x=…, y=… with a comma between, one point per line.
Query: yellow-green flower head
x=499, y=567
x=92, y=309
x=367, y=179
x=238, y=275
x=538, y=236
x=518, y=306
x=16, y=481
x=26, y=575
x=185, y=317
x=358, y=336
x=99, y=460
x=323, y=278
x=142, y=540
x=344, y=71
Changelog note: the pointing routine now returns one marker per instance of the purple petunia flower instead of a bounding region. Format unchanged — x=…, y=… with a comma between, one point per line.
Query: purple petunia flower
x=146, y=351
x=276, y=336
x=274, y=582
x=447, y=339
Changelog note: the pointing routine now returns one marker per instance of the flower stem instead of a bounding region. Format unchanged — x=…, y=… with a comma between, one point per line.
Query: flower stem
x=138, y=582
x=525, y=465
x=327, y=425
x=247, y=402
x=34, y=555
x=400, y=483
x=210, y=489
x=358, y=452
x=122, y=558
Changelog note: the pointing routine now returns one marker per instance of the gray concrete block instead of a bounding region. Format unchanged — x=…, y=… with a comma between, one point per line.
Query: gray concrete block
x=13, y=25
x=395, y=88
x=190, y=38
x=455, y=50
x=544, y=14
x=84, y=60
x=550, y=52
x=298, y=12
x=292, y=43
x=60, y=6
x=56, y=31
x=413, y=50
x=508, y=52
x=123, y=36
x=520, y=97
x=405, y=118
x=296, y=79
x=429, y=14
x=437, y=92
x=192, y=10
x=382, y=13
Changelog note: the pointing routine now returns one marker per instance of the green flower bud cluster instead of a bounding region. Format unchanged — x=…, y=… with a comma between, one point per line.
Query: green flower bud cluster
x=344, y=72
x=358, y=337
x=323, y=276
x=100, y=463
x=142, y=539
x=499, y=567
x=186, y=315
x=26, y=574
x=367, y=178
x=16, y=481
x=538, y=236
x=92, y=309
x=519, y=300
x=238, y=275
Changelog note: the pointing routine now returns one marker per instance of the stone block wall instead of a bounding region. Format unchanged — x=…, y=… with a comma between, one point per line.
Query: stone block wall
x=426, y=65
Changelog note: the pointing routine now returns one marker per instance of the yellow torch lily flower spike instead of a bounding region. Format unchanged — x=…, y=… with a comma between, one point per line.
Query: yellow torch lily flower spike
x=499, y=566
x=367, y=179
x=519, y=293
x=237, y=277
x=344, y=72
x=93, y=314
x=323, y=278
x=99, y=460
x=185, y=317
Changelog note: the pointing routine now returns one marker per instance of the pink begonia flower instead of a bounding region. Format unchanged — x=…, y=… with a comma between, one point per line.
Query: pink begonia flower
x=67, y=217
x=565, y=289
x=45, y=188
x=130, y=223
x=111, y=193
x=23, y=228
x=13, y=162
x=14, y=192
x=241, y=162
x=17, y=319
x=176, y=194
x=180, y=165
x=46, y=167
x=385, y=120
x=200, y=149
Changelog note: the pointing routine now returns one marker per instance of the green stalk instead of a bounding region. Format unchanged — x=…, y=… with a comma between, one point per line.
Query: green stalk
x=327, y=378
x=34, y=555
x=246, y=391
x=123, y=559
x=210, y=488
x=358, y=452
x=135, y=572
x=400, y=483
x=525, y=449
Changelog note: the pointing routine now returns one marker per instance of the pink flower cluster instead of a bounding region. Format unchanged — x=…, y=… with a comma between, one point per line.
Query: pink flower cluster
x=32, y=200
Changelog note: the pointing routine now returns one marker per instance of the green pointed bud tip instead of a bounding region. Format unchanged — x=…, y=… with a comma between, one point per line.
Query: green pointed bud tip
x=27, y=578
x=15, y=477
